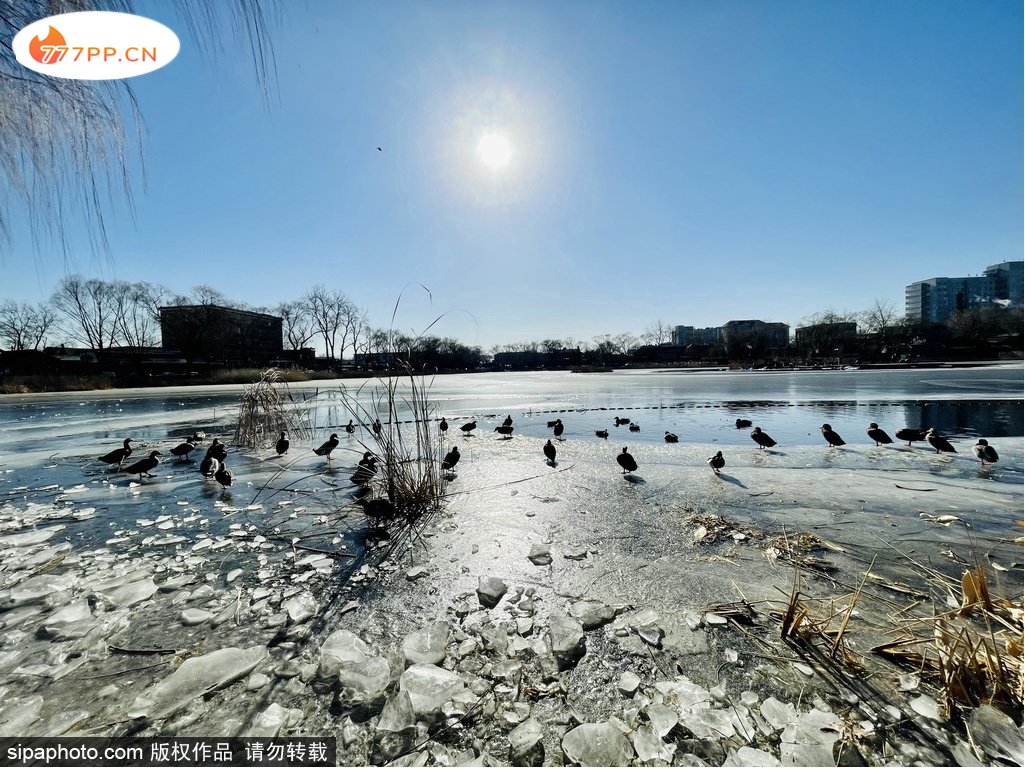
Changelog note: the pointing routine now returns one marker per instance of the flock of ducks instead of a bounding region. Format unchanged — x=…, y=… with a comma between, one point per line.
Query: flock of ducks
x=214, y=465
x=982, y=450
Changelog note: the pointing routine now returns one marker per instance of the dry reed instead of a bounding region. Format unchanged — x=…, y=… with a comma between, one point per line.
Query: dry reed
x=408, y=444
x=267, y=409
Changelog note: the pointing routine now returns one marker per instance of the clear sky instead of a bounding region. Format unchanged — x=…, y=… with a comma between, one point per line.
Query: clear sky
x=693, y=161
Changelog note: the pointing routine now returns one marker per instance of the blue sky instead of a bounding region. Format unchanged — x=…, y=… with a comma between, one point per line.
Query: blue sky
x=693, y=162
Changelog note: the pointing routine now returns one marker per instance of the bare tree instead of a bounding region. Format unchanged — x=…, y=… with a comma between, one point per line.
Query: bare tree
x=658, y=333
x=66, y=146
x=363, y=342
x=550, y=346
x=604, y=348
x=829, y=316
x=296, y=323
x=979, y=326
x=24, y=326
x=89, y=309
x=331, y=312
x=137, y=312
x=208, y=295
x=880, y=315
x=380, y=341
x=625, y=342
x=353, y=318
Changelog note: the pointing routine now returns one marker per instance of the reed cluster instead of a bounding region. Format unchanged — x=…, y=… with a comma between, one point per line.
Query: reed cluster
x=267, y=409
x=407, y=444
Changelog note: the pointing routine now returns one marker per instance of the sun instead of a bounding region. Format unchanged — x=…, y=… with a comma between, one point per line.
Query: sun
x=494, y=150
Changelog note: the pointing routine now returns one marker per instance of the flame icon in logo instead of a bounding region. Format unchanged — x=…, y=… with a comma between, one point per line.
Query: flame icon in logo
x=50, y=54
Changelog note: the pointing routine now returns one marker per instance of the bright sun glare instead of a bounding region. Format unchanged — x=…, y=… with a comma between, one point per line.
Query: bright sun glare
x=494, y=150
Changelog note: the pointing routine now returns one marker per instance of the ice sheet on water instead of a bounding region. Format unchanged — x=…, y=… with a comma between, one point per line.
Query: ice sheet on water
x=429, y=687
x=341, y=648
x=33, y=537
x=196, y=677
x=597, y=745
x=38, y=587
x=426, y=645
x=18, y=714
x=997, y=734
x=650, y=747
x=524, y=737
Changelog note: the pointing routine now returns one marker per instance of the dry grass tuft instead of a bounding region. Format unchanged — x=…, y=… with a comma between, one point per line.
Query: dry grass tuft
x=408, y=445
x=254, y=375
x=268, y=408
x=973, y=653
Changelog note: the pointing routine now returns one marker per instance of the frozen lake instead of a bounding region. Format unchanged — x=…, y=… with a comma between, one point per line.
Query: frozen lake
x=54, y=438
x=699, y=406
x=176, y=562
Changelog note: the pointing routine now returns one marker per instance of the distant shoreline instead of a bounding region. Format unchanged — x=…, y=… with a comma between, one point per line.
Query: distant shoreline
x=64, y=384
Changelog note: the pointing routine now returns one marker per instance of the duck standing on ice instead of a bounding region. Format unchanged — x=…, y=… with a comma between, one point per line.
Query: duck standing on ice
x=879, y=436
x=327, y=447
x=910, y=434
x=762, y=439
x=117, y=456
x=549, y=450
x=984, y=452
x=832, y=437
x=626, y=461
x=143, y=466
x=717, y=462
x=937, y=442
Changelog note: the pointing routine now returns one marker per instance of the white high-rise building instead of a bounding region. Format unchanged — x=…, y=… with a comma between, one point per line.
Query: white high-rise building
x=936, y=299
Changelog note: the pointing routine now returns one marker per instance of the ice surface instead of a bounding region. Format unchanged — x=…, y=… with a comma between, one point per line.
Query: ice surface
x=365, y=678
x=342, y=648
x=997, y=734
x=597, y=745
x=65, y=721
x=490, y=591
x=524, y=737
x=566, y=636
x=650, y=747
x=426, y=645
x=429, y=687
x=18, y=714
x=636, y=538
x=196, y=677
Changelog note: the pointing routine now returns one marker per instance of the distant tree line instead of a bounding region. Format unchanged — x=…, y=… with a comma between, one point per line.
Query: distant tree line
x=103, y=314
